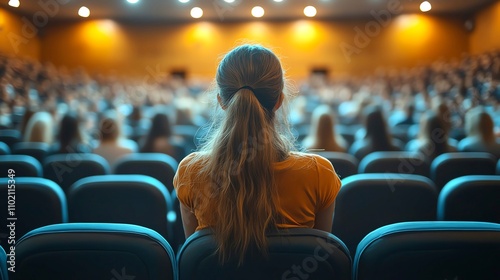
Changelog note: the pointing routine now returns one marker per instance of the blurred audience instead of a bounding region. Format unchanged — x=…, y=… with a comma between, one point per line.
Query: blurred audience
x=40, y=128
x=110, y=146
x=377, y=137
x=70, y=138
x=480, y=133
x=322, y=134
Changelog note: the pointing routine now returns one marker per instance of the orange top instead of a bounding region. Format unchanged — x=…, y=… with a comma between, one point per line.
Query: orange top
x=307, y=183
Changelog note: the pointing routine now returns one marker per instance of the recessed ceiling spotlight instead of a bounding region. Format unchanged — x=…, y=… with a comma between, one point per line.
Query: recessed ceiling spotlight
x=425, y=6
x=132, y=1
x=84, y=11
x=310, y=11
x=278, y=0
x=183, y=1
x=257, y=11
x=14, y=3
x=196, y=12
x=229, y=1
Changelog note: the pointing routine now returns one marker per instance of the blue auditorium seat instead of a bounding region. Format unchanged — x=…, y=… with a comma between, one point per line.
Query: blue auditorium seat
x=66, y=169
x=10, y=137
x=430, y=250
x=344, y=164
x=470, y=198
x=94, y=251
x=368, y=201
x=37, y=150
x=24, y=166
x=394, y=162
x=4, y=149
x=297, y=253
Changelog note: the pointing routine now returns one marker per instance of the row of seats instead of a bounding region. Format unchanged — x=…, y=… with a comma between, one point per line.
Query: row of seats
x=441, y=170
x=411, y=250
x=364, y=203
x=65, y=169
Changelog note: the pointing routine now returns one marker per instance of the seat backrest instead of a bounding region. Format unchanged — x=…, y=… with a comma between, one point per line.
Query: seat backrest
x=10, y=137
x=498, y=167
x=3, y=265
x=430, y=250
x=130, y=199
x=24, y=166
x=37, y=150
x=4, y=149
x=344, y=164
x=292, y=254
x=94, y=251
x=368, y=201
x=470, y=198
x=449, y=166
x=162, y=167
x=35, y=202
x=394, y=162
x=66, y=169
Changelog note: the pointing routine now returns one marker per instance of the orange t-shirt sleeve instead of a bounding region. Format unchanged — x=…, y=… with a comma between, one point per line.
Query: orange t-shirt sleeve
x=183, y=184
x=329, y=183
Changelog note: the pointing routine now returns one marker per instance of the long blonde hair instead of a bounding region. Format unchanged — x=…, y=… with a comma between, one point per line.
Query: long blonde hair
x=245, y=138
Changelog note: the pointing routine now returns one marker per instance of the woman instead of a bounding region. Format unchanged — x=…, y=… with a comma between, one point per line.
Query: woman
x=377, y=137
x=159, y=138
x=322, y=135
x=480, y=133
x=245, y=180
x=70, y=138
x=433, y=138
x=39, y=128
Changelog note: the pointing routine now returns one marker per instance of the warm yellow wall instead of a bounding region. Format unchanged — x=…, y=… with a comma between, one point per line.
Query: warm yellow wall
x=486, y=35
x=18, y=36
x=105, y=46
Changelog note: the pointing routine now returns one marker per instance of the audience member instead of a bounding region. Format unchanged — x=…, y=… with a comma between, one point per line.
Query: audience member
x=239, y=184
x=110, y=147
x=322, y=134
x=480, y=133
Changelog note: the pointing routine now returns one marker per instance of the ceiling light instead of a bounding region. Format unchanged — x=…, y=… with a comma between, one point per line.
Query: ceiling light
x=84, y=11
x=183, y=1
x=14, y=3
x=310, y=11
x=257, y=11
x=229, y=1
x=425, y=6
x=132, y=1
x=278, y=0
x=196, y=12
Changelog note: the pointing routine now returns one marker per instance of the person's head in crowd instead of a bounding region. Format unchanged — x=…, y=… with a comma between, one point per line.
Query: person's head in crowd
x=479, y=124
x=433, y=136
x=70, y=135
x=109, y=129
x=160, y=129
x=322, y=133
x=40, y=128
x=377, y=131
x=444, y=113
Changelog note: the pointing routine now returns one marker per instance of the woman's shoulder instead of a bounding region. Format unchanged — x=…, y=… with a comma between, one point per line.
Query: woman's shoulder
x=309, y=160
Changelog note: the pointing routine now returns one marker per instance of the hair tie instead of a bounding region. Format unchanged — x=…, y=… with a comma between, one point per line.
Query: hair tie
x=247, y=87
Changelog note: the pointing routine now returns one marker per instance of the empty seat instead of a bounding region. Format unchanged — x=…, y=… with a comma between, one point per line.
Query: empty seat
x=498, y=167
x=130, y=199
x=4, y=149
x=394, y=162
x=37, y=150
x=449, y=166
x=66, y=169
x=345, y=164
x=293, y=254
x=36, y=202
x=368, y=201
x=470, y=198
x=159, y=166
x=24, y=166
x=10, y=137
x=430, y=250
x=94, y=251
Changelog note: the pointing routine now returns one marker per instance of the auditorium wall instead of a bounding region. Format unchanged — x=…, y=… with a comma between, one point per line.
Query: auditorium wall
x=486, y=34
x=18, y=36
